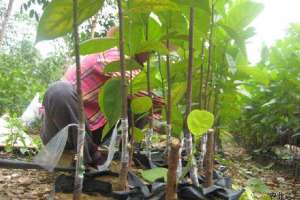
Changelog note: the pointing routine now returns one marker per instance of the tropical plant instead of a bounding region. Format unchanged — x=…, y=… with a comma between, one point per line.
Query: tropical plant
x=202, y=40
x=24, y=73
x=270, y=114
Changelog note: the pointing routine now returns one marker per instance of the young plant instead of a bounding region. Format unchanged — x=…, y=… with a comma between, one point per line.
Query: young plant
x=187, y=134
x=81, y=130
x=124, y=117
x=199, y=122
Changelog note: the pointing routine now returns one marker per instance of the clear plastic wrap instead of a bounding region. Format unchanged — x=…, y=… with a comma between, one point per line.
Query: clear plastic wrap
x=50, y=154
x=113, y=148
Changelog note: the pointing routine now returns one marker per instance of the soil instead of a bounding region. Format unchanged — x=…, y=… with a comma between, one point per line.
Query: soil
x=35, y=184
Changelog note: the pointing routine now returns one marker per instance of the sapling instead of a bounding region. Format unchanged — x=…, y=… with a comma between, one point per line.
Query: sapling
x=149, y=133
x=124, y=117
x=81, y=130
x=209, y=63
x=169, y=100
x=187, y=134
x=201, y=74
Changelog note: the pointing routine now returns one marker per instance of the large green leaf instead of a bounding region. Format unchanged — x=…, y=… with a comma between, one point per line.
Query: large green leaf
x=241, y=14
x=154, y=28
x=231, y=63
x=152, y=46
x=138, y=135
x=130, y=64
x=199, y=121
x=177, y=93
x=141, y=105
x=110, y=100
x=148, y=6
x=257, y=185
x=151, y=175
x=57, y=19
x=202, y=4
x=97, y=45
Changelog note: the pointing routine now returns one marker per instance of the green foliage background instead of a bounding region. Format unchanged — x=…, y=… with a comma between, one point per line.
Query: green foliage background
x=24, y=72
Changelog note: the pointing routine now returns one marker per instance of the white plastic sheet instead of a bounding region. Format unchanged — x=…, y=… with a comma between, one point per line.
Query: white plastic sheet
x=32, y=111
x=113, y=148
x=50, y=154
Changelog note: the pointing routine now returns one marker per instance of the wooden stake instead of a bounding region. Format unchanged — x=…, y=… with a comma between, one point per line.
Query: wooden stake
x=171, y=189
x=81, y=130
x=209, y=159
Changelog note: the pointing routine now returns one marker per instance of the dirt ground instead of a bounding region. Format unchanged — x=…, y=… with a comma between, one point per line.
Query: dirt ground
x=34, y=184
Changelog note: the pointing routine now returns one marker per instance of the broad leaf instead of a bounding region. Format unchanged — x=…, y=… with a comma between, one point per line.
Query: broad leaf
x=257, y=185
x=199, y=121
x=138, y=135
x=178, y=92
x=97, y=45
x=202, y=4
x=141, y=105
x=151, y=175
x=148, y=6
x=110, y=100
x=242, y=13
x=130, y=64
x=152, y=46
x=105, y=130
x=231, y=64
x=57, y=19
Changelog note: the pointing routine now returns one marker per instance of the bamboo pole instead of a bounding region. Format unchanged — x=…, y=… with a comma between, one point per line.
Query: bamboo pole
x=187, y=134
x=81, y=130
x=171, y=188
x=124, y=118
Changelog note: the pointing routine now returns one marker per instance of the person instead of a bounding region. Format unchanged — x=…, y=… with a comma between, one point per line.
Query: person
x=61, y=102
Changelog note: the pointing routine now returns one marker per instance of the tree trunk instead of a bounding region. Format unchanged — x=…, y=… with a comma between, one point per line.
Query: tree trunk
x=124, y=117
x=209, y=159
x=187, y=134
x=94, y=25
x=5, y=20
x=81, y=131
x=171, y=188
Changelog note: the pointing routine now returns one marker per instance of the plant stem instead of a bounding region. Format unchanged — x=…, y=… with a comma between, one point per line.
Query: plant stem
x=169, y=104
x=81, y=131
x=171, y=188
x=201, y=75
x=210, y=86
x=161, y=76
x=209, y=161
x=187, y=134
x=150, y=131
x=124, y=117
x=209, y=58
x=132, y=141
